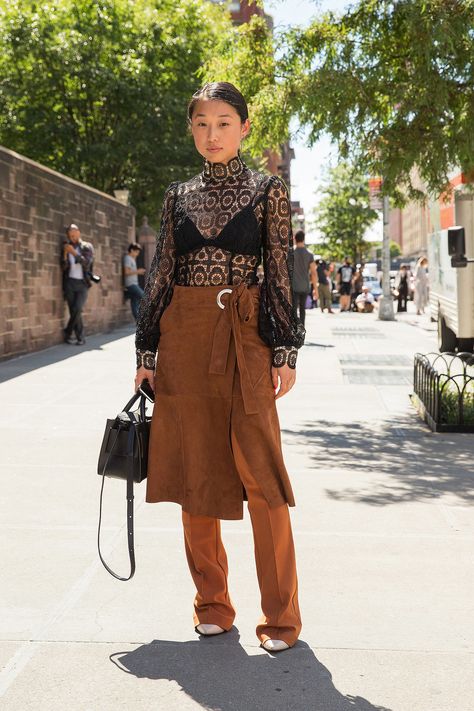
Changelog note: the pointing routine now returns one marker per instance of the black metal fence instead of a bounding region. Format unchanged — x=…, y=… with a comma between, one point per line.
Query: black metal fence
x=444, y=390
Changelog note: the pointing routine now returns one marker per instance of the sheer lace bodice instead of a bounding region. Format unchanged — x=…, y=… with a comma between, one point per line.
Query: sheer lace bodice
x=218, y=228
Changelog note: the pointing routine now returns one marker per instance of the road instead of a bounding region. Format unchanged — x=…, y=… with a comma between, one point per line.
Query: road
x=384, y=529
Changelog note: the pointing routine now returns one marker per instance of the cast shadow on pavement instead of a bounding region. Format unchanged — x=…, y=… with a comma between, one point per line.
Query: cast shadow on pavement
x=416, y=464
x=221, y=676
x=40, y=359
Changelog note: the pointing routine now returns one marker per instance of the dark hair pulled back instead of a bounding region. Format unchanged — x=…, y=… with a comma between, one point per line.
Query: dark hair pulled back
x=220, y=91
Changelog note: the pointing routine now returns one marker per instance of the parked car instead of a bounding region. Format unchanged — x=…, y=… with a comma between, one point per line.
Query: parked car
x=374, y=286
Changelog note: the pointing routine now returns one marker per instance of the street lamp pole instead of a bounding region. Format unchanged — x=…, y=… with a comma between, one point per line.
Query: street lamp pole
x=386, y=302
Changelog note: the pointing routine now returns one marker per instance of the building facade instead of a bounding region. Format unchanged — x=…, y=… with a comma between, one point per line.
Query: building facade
x=412, y=225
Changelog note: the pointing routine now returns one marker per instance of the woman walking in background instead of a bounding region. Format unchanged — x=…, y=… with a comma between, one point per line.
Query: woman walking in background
x=421, y=285
x=227, y=349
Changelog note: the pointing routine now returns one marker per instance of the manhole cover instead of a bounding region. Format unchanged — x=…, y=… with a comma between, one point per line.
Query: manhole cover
x=378, y=360
x=366, y=376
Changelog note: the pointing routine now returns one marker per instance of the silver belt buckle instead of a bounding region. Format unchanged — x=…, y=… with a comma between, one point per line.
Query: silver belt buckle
x=222, y=291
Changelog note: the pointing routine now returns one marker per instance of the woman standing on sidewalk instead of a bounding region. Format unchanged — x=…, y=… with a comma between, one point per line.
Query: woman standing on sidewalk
x=227, y=350
x=421, y=286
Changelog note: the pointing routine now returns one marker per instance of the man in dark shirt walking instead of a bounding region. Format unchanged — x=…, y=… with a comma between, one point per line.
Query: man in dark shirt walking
x=304, y=270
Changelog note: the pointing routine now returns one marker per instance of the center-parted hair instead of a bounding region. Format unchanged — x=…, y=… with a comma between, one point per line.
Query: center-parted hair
x=220, y=91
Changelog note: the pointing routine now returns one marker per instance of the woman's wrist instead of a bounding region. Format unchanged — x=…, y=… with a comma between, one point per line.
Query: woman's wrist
x=284, y=355
x=146, y=359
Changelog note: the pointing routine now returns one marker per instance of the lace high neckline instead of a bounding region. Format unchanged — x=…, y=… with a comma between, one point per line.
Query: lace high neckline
x=222, y=171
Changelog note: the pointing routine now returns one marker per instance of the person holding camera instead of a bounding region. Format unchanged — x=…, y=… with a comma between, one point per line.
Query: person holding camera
x=78, y=259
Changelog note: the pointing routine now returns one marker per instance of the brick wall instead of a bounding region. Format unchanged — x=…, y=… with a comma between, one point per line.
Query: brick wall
x=36, y=203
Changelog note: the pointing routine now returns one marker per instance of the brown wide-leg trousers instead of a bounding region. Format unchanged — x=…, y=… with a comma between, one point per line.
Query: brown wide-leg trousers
x=274, y=558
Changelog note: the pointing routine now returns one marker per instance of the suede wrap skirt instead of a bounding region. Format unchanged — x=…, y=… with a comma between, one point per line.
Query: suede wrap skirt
x=213, y=386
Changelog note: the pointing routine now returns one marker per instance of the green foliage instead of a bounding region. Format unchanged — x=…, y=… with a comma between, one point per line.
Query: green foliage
x=98, y=89
x=395, y=250
x=343, y=214
x=450, y=403
x=314, y=249
x=391, y=82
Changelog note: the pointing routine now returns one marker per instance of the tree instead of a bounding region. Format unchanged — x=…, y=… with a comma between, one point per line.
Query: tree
x=98, y=89
x=395, y=250
x=392, y=82
x=343, y=214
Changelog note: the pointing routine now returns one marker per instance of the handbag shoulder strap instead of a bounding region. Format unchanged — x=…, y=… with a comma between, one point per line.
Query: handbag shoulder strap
x=130, y=496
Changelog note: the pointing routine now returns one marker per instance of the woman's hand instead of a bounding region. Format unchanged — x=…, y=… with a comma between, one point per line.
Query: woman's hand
x=144, y=374
x=286, y=376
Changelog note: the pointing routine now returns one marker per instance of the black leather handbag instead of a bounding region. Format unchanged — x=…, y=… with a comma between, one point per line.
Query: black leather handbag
x=124, y=455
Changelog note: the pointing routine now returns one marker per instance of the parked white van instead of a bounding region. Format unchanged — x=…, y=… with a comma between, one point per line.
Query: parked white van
x=452, y=289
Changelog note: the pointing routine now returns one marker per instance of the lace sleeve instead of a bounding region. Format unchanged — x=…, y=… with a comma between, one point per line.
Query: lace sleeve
x=159, y=286
x=279, y=326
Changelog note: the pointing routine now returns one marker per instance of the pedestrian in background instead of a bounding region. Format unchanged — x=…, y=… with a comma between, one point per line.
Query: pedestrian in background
x=358, y=282
x=421, y=285
x=365, y=301
x=324, y=287
x=77, y=261
x=345, y=274
x=225, y=348
x=131, y=273
x=401, y=285
x=304, y=271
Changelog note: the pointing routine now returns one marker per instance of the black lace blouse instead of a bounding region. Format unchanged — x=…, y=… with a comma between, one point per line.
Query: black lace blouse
x=216, y=229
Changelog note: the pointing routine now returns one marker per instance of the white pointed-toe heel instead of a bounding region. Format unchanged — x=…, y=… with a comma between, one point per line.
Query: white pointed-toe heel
x=275, y=645
x=209, y=630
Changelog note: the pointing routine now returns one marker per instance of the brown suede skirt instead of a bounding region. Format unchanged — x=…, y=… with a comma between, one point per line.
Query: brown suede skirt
x=214, y=405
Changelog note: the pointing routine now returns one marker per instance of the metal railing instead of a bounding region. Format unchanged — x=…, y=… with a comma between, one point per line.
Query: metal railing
x=443, y=385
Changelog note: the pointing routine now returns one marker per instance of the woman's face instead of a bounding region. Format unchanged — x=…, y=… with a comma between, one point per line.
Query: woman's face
x=217, y=130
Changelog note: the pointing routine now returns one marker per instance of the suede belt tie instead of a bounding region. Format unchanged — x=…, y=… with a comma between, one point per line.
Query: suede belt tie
x=239, y=306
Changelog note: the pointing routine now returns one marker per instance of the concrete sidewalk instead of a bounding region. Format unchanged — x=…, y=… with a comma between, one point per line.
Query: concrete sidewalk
x=384, y=528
